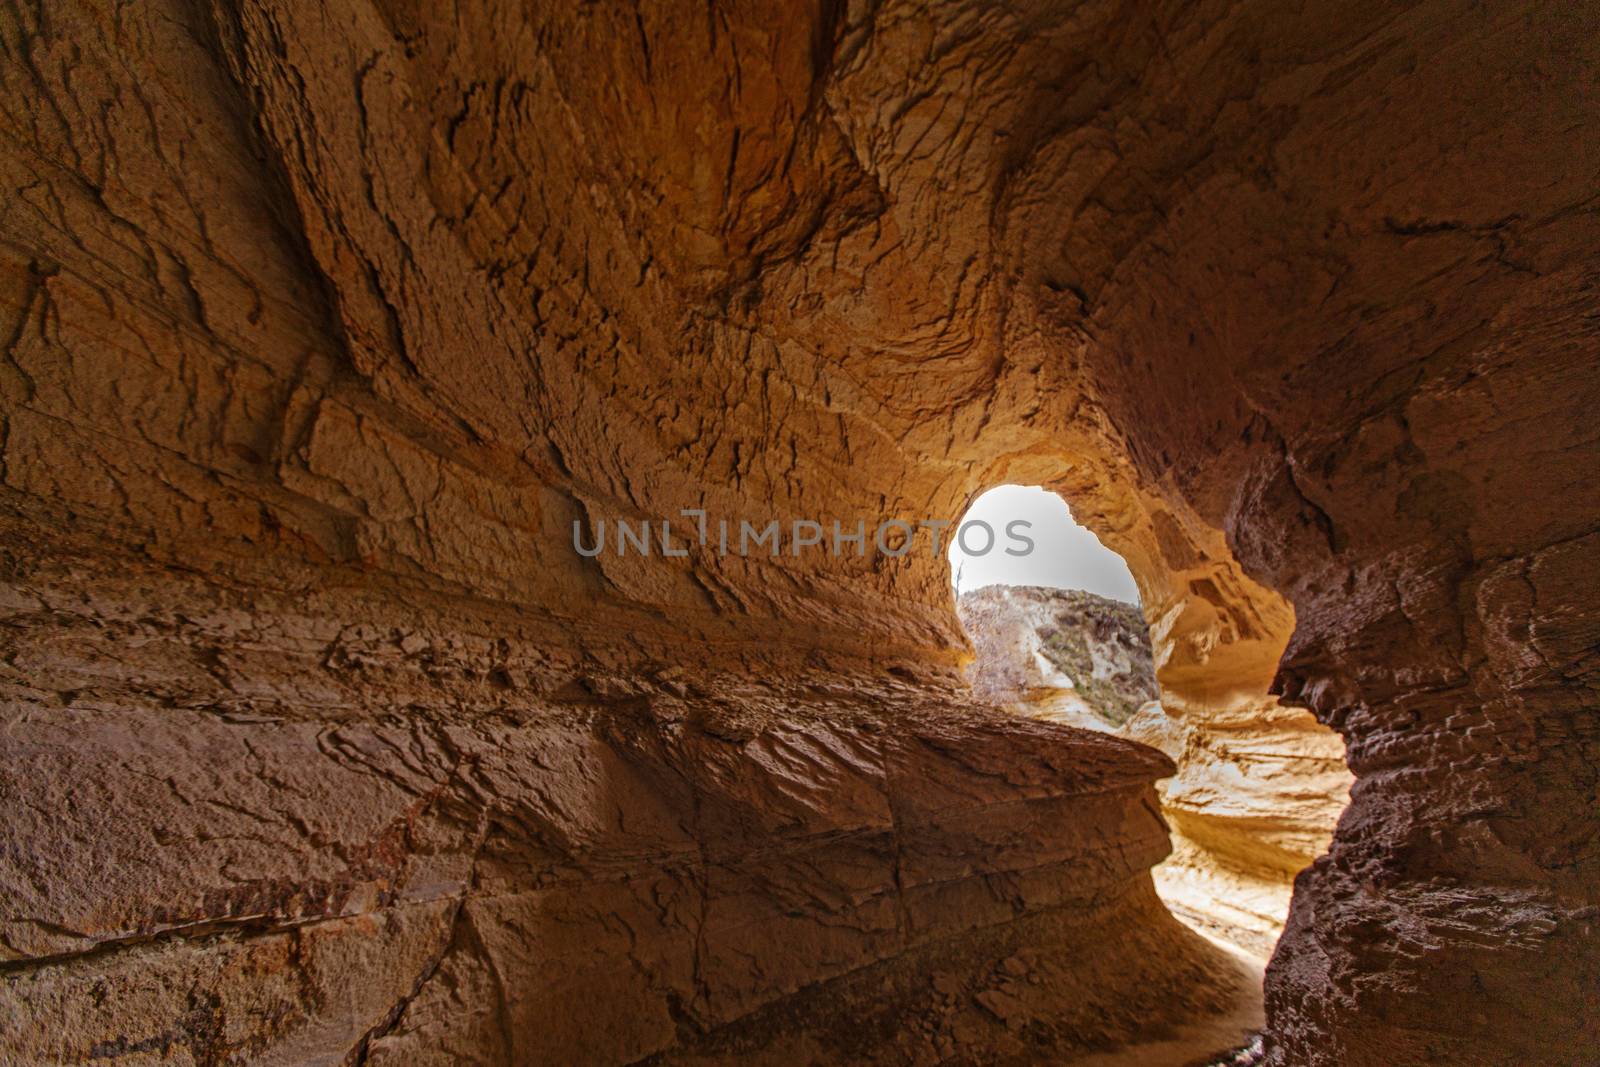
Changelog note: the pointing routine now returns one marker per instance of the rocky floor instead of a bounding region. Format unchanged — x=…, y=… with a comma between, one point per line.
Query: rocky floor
x=1245, y=1056
x=1233, y=1025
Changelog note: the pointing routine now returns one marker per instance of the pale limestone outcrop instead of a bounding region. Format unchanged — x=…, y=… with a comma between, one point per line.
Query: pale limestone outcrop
x=1058, y=655
x=322, y=324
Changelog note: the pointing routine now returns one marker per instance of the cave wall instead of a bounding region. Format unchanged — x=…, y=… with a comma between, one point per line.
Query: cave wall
x=324, y=323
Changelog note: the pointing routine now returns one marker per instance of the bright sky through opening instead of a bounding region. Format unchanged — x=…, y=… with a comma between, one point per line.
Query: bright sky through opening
x=1065, y=554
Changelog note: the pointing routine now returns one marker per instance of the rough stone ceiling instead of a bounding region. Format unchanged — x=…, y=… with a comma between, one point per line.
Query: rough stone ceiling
x=322, y=323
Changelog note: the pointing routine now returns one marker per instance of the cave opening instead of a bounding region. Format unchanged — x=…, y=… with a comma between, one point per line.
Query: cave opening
x=1062, y=631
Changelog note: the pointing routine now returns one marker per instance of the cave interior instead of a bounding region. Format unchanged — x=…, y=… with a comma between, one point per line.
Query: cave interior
x=326, y=324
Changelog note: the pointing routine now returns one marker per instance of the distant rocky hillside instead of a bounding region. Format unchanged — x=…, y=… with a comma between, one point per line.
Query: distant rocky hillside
x=1058, y=654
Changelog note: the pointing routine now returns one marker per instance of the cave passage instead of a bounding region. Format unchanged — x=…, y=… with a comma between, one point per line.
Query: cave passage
x=1059, y=635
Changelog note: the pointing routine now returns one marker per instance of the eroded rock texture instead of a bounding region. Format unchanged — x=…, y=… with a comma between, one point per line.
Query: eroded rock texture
x=1259, y=786
x=1258, y=791
x=324, y=322
x=1062, y=655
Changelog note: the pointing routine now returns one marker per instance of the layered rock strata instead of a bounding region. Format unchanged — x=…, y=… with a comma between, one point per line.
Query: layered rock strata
x=394, y=842
x=323, y=323
x=1254, y=802
x=1258, y=786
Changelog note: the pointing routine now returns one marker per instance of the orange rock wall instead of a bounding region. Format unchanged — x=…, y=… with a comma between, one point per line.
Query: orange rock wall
x=323, y=323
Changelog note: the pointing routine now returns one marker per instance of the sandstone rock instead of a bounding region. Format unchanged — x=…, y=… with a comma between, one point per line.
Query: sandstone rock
x=1258, y=789
x=1254, y=802
x=323, y=324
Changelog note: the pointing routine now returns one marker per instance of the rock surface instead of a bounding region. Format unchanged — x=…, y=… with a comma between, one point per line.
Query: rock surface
x=1258, y=787
x=1254, y=803
x=491, y=859
x=1058, y=654
x=322, y=325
